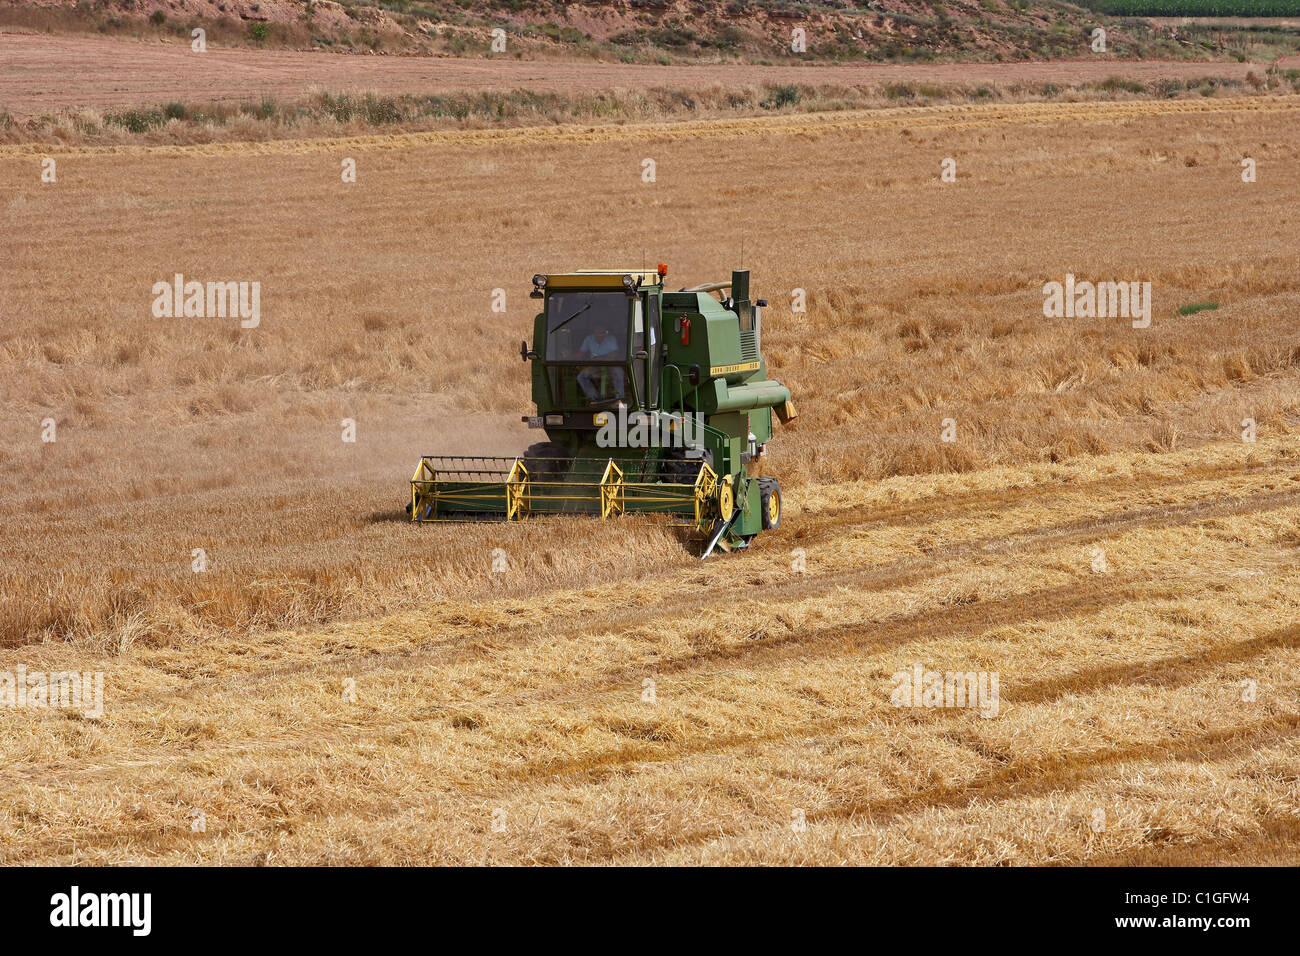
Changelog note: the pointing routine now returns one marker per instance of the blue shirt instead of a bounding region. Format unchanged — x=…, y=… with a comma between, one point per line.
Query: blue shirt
x=596, y=349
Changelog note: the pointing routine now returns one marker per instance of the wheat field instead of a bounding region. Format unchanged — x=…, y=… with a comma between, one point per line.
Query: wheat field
x=341, y=687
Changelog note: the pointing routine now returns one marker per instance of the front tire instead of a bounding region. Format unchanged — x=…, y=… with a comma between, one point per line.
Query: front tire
x=675, y=467
x=547, y=461
x=769, y=491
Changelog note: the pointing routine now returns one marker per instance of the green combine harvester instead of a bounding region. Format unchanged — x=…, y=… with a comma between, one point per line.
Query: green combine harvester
x=651, y=401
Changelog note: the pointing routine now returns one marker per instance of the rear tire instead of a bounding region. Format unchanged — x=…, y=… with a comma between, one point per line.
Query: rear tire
x=769, y=492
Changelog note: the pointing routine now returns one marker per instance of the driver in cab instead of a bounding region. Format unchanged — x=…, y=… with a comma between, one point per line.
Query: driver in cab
x=599, y=344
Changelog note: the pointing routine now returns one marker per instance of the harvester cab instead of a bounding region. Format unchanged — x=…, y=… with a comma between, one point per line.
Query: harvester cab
x=650, y=401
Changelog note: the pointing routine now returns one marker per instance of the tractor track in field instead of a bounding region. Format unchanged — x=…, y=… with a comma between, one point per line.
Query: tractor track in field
x=841, y=639
x=836, y=640
x=902, y=572
x=847, y=638
x=1038, y=776
x=821, y=524
x=953, y=117
x=1171, y=671
x=1176, y=669
x=1051, y=604
x=1043, y=774
x=1029, y=777
x=1273, y=844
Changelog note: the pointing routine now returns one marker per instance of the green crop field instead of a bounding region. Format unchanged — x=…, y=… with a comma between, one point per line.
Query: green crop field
x=1197, y=8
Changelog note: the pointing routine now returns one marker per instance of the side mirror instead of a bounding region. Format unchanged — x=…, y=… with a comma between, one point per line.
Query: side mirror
x=525, y=352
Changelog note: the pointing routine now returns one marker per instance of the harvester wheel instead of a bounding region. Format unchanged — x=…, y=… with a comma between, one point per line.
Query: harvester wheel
x=547, y=461
x=726, y=500
x=674, y=466
x=769, y=491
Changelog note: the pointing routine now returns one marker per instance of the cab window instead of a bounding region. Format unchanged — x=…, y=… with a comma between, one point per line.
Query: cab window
x=586, y=326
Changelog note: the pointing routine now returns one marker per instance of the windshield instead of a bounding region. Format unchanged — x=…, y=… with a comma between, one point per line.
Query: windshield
x=586, y=326
x=590, y=331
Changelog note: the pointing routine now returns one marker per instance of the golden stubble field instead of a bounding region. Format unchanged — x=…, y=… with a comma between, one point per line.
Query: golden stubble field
x=501, y=717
